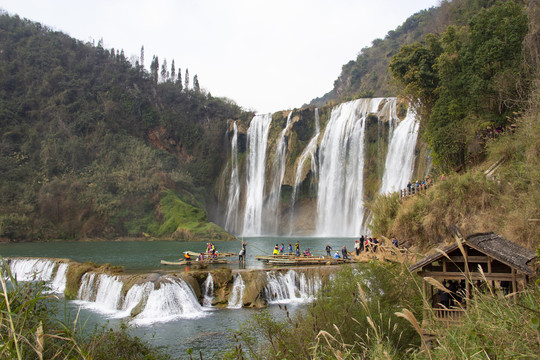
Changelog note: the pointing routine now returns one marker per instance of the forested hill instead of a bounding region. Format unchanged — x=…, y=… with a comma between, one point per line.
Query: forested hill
x=368, y=74
x=92, y=145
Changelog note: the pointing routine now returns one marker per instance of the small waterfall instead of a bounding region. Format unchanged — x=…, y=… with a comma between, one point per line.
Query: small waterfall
x=231, y=212
x=399, y=163
x=291, y=287
x=208, y=291
x=341, y=159
x=101, y=292
x=32, y=269
x=237, y=293
x=257, y=139
x=278, y=172
x=58, y=284
x=174, y=299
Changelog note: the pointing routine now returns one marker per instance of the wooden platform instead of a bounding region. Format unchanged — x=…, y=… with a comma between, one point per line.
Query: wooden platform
x=287, y=260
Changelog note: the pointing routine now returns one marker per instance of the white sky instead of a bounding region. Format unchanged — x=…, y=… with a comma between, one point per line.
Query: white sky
x=267, y=55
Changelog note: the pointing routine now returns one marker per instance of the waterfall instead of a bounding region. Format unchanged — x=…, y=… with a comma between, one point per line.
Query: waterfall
x=237, y=293
x=278, y=172
x=341, y=159
x=100, y=292
x=399, y=163
x=257, y=139
x=231, y=212
x=291, y=287
x=58, y=284
x=32, y=269
x=174, y=299
x=208, y=291
x=171, y=299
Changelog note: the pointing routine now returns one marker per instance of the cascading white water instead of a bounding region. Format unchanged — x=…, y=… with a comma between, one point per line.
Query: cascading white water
x=174, y=299
x=237, y=293
x=278, y=172
x=341, y=161
x=291, y=287
x=58, y=283
x=101, y=292
x=232, y=211
x=208, y=291
x=399, y=163
x=257, y=139
x=32, y=269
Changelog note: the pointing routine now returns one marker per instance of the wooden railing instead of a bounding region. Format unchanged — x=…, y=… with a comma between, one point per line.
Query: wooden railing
x=448, y=315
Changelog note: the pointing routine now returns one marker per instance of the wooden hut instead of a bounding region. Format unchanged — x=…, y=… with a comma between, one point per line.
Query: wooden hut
x=503, y=263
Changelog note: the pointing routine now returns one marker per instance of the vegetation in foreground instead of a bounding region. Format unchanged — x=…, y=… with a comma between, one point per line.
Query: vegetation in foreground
x=375, y=313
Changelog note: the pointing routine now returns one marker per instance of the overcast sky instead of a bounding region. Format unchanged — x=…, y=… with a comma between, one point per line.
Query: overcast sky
x=265, y=55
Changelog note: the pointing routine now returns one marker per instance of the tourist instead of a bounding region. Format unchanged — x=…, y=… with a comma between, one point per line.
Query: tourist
x=241, y=255
x=395, y=242
x=187, y=257
x=201, y=257
x=281, y=249
x=336, y=255
x=276, y=250
x=328, y=249
x=244, y=248
x=297, y=248
x=375, y=242
x=344, y=252
x=290, y=249
x=357, y=247
x=362, y=241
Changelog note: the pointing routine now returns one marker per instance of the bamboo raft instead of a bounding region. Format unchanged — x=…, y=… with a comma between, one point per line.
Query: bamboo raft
x=300, y=260
x=202, y=263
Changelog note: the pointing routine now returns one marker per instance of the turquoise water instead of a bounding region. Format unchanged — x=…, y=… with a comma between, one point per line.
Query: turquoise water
x=146, y=255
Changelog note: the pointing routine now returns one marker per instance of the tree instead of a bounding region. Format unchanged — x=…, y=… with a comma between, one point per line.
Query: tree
x=164, y=71
x=186, y=80
x=179, y=79
x=141, y=60
x=196, y=86
x=154, y=68
x=173, y=71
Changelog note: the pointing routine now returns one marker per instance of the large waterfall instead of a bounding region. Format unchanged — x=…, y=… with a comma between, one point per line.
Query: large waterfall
x=257, y=139
x=341, y=179
x=278, y=171
x=361, y=149
x=399, y=163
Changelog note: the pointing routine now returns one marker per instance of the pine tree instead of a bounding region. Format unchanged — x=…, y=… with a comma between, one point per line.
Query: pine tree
x=154, y=68
x=186, y=80
x=179, y=79
x=164, y=71
x=141, y=60
x=173, y=71
x=196, y=86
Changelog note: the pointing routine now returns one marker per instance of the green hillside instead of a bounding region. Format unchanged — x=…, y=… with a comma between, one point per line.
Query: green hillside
x=90, y=143
x=477, y=89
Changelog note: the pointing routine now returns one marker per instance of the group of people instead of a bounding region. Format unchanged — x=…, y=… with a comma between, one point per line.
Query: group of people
x=415, y=187
x=281, y=250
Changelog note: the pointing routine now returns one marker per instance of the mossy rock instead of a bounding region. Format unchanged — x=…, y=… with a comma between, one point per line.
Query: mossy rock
x=255, y=282
x=74, y=274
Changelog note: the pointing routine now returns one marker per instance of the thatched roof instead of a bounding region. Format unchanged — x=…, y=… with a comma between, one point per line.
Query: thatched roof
x=492, y=245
